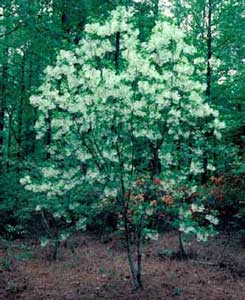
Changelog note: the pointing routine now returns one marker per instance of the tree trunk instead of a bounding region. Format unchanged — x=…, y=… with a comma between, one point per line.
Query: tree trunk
x=20, y=114
x=3, y=91
x=209, y=49
x=9, y=143
x=135, y=282
x=2, y=111
x=55, y=246
x=134, y=274
x=139, y=252
x=155, y=163
x=49, y=136
x=208, y=81
x=30, y=132
x=181, y=252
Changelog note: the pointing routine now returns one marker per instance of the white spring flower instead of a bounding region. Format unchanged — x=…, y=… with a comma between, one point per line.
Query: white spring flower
x=197, y=208
x=154, y=236
x=210, y=167
x=25, y=180
x=38, y=208
x=50, y=172
x=212, y=219
x=202, y=237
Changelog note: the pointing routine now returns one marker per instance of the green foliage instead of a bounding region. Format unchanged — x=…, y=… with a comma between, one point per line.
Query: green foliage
x=98, y=105
x=227, y=194
x=102, y=82
x=15, y=212
x=125, y=100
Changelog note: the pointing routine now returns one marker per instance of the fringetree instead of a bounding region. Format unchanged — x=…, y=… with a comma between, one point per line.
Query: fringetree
x=118, y=109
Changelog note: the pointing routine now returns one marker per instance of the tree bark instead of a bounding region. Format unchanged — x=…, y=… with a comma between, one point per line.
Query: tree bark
x=155, y=163
x=208, y=80
x=135, y=274
x=139, y=252
x=20, y=113
x=9, y=143
x=135, y=282
x=182, y=252
x=49, y=136
x=2, y=111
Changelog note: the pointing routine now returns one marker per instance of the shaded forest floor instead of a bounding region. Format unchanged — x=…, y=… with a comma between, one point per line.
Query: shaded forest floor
x=97, y=270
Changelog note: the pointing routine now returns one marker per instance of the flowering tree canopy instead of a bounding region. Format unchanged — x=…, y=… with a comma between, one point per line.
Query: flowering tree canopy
x=121, y=108
x=115, y=93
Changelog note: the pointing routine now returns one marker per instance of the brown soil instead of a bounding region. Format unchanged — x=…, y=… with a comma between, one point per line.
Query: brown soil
x=215, y=271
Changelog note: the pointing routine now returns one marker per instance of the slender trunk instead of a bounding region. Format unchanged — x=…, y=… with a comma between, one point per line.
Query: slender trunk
x=134, y=273
x=135, y=282
x=117, y=52
x=30, y=147
x=9, y=143
x=2, y=112
x=203, y=21
x=20, y=114
x=190, y=146
x=155, y=162
x=2, y=122
x=209, y=50
x=208, y=81
x=3, y=103
x=54, y=249
x=35, y=114
x=49, y=136
x=53, y=237
x=139, y=252
x=66, y=21
x=182, y=252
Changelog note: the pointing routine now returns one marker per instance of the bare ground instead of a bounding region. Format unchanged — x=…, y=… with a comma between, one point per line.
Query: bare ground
x=215, y=271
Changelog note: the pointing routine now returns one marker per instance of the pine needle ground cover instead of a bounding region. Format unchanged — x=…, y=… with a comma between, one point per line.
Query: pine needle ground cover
x=99, y=270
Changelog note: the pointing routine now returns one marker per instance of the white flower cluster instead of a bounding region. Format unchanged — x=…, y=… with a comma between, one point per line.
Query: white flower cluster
x=212, y=219
x=187, y=229
x=104, y=106
x=25, y=180
x=197, y=208
x=110, y=192
x=184, y=213
x=202, y=237
x=48, y=172
x=196, y=167
x=118, y=23
x=154, y=236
